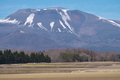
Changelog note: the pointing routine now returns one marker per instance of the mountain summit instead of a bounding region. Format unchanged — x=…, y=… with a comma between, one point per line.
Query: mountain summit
x=56, y=28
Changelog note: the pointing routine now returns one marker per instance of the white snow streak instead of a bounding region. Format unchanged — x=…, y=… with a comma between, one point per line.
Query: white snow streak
x=69, y=26
x=62, y=24
x=59, y=30
x=44, y=9
x=64, y=14
x=38, y=10
x=41, y=26
x=30, y=19
x=52, y=25
x=66, y=17
x=100, y=17
x=114, y=23
x=111, y=21
x=22, y=31
x=35, y=10
x=57, y=10
x=9, y=21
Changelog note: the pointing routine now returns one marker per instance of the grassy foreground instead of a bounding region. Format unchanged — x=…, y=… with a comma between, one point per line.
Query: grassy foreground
x=61, y=71
x=63, y=76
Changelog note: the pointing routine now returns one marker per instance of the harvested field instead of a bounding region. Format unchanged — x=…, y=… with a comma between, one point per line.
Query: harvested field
x=63, y=76
x=61, y=71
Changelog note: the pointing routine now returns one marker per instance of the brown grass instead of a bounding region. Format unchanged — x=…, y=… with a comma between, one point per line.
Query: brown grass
x=63, y=76
x=61, y=71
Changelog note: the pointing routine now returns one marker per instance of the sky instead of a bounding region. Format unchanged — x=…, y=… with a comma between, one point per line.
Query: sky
x=109, y=9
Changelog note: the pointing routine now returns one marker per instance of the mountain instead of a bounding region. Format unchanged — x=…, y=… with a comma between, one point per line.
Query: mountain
x=58, y=28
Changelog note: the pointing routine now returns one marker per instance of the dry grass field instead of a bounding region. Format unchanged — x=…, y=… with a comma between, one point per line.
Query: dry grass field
x=63, y=76
x=61, y=71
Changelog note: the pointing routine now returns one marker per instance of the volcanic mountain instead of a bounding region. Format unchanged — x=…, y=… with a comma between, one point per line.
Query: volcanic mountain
x=58, y=28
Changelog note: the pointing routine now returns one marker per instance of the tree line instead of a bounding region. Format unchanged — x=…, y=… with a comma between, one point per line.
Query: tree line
x=9, y=57
x=80, y=55
x=83, y=55
x=56, y=55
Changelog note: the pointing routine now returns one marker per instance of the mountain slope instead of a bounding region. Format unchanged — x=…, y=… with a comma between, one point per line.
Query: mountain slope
x=41, y=29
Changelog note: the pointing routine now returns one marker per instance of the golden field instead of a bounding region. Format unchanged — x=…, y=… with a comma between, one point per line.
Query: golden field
x=61, y=71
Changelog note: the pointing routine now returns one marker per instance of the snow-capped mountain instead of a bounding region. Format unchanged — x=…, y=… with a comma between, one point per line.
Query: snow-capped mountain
x=50, y=28
x=43, y=19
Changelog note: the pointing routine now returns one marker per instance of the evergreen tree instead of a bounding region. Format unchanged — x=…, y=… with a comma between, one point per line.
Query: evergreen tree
x=33, y=57
x=15, y=54
x=27, y=58
x=47, y=59
x=22, y=57
x=42, y=57
x=9, y=58
x=38, y=57
x=2, y=60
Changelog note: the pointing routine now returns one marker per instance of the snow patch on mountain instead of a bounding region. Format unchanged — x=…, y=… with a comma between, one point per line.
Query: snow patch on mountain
x=57, y=11
x=22, y=31
x=29, y=19
x=65, y=21
x=110, y=21
x=65, y=17
x=35, y=10
x=52, y=25
x=41, y=26
x=9, y=21
x=65, y=12
x=59, y=30
x=62, y=24
x=44, y=9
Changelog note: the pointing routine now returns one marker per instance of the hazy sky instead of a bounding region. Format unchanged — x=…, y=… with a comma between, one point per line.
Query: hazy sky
x=105, y=8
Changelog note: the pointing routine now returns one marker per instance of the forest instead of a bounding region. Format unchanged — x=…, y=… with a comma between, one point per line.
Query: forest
x=9, y=57
x=56, y=55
